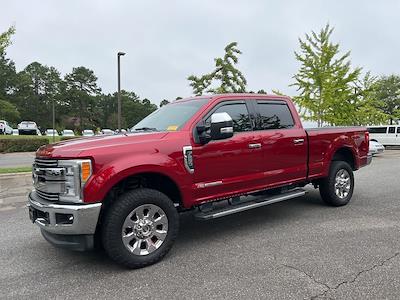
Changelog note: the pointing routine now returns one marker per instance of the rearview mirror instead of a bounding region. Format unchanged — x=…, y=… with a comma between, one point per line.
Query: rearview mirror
x=221, y=126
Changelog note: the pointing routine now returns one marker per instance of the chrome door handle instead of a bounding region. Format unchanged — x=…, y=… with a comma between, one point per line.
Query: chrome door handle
x=298, y=141
x=254, y=146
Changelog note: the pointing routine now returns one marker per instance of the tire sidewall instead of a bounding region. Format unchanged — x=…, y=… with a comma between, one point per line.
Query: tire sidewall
x=115, y=218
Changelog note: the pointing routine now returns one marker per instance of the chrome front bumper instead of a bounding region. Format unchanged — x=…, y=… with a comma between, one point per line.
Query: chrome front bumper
x=64, y=219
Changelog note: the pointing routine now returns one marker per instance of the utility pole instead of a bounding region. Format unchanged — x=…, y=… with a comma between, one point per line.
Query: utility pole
x=119, y=54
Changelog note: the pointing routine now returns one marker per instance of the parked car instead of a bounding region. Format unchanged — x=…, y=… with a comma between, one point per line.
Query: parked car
x=106, y=132
x=387, y=135
x=28, y=128
x=122, y=131
x=67, y=132
x=51, y=132
x=15, y=132
x=5, y=128
x=215, y=155
x=87, y=132
x=376, y=148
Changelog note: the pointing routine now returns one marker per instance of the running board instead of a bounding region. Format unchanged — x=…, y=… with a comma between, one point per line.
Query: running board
x=259, y=202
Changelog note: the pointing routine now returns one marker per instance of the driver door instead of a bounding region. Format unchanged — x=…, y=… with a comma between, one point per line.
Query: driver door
x=232, y=165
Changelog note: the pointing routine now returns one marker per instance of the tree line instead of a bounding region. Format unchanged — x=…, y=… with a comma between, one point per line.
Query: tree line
x=329, y=90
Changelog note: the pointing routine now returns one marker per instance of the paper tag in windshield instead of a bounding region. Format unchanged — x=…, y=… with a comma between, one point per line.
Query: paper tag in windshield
x=172, y=127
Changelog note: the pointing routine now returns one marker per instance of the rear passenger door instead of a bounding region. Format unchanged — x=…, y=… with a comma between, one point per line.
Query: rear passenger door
x=284, y=144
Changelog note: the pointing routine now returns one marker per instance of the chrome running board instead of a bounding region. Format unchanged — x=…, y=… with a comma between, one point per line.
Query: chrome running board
x=258, y=202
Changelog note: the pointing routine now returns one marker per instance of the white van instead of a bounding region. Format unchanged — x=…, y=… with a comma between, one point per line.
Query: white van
x=387, y=135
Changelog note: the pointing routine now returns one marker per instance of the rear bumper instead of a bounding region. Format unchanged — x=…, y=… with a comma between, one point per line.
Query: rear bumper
x=66, y=225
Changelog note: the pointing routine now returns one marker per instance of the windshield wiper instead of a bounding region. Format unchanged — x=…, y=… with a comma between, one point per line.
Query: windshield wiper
x=146, y=129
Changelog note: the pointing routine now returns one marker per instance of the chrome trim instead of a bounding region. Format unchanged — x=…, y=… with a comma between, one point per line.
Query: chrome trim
x=254, y=146
x=85, y=217
x=298, y=141
x=250, y=205
x=185, y=149
x=226, y=130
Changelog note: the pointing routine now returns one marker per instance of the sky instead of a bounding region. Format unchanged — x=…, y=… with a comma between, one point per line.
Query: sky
x=166, y=41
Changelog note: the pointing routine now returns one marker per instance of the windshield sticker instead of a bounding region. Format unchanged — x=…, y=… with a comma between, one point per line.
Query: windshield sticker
x=172, y=128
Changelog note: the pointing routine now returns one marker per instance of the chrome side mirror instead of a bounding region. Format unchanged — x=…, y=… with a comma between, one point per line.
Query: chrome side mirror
x=221, y=126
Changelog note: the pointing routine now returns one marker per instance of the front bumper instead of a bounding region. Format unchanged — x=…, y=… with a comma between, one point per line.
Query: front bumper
x=67, y=225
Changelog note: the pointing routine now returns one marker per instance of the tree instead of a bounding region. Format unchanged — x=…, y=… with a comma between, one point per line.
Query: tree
x=387, y=91
x=164, y=102
x=5, y=38
x=324, y=80
x=8, y=112
x=81, y=89
x=367, y=105
x=7, y=66
x=228, y=78
x=36, y=89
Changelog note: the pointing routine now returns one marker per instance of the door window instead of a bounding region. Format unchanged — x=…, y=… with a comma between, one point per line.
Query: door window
x=239, y=115
x=273, y=116
x=392, y=129
x=398, y=129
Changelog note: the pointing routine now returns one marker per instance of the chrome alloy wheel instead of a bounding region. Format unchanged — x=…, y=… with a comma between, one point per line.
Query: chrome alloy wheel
x=342, y=183
x=145, y=229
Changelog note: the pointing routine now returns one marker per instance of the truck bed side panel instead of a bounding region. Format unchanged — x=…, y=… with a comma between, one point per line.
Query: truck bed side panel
x=324, y=142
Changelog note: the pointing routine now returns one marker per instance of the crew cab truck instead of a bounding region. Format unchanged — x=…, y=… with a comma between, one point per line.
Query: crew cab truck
x=216, y=155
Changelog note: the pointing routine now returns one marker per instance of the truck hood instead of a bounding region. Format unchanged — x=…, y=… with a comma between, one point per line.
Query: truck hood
x=88, y=146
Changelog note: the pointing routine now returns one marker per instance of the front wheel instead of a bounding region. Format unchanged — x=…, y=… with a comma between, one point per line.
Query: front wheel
x=337, y=188
x=140, y=228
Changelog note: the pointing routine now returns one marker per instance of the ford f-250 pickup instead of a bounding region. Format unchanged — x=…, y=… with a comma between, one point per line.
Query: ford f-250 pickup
x=216, y=155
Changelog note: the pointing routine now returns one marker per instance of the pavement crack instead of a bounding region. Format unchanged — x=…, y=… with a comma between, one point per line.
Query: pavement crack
x=308, y=275
x=354, y=277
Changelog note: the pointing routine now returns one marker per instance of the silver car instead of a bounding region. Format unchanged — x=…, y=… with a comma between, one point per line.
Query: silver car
x=375, y=147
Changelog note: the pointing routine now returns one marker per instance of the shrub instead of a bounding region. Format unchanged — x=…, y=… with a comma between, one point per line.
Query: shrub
x=64, y=138
x=22, y=144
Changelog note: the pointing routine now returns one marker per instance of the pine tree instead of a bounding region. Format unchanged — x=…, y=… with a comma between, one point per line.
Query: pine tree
x=225, y=78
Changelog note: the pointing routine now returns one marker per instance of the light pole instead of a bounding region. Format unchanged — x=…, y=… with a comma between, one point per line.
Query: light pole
x=119, y=54
x=54, y=121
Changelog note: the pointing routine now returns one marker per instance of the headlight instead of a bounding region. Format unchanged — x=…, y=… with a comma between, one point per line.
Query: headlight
x=77, y=173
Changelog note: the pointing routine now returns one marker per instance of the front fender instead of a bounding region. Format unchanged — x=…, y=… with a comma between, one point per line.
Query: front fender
x=113, y=172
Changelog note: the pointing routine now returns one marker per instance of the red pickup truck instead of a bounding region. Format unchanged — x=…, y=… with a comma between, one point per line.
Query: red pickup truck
x=216, y=155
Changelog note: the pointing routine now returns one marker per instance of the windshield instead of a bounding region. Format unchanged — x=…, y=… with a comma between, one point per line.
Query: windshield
x=170, y=117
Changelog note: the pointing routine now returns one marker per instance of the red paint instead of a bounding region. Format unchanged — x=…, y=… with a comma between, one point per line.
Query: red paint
x=230, y=162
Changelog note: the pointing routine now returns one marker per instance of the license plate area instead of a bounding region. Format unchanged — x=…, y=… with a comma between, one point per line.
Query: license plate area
x=36, y=214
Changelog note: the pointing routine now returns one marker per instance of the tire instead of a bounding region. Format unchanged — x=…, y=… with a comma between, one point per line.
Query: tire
x=337, y=193
x=134, y=239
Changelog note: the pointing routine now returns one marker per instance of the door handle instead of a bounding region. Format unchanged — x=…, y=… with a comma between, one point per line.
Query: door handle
x=254, y=146
x=298, y=141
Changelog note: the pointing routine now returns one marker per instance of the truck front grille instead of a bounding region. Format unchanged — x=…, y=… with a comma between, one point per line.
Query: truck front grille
x=46, y=163
x=39, y=178
x=47, y=196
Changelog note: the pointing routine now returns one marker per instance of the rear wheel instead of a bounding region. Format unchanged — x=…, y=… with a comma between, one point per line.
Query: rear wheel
x=337, y=188
x=140, y=228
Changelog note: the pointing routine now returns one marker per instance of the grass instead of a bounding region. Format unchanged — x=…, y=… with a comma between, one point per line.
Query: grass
x=15, y=170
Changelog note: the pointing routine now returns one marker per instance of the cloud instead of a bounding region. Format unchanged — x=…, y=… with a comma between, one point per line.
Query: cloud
x=166, y=41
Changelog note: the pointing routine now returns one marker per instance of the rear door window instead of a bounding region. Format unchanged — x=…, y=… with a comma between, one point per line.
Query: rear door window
x=273, y=115
x=392, y=129
x=398, y=129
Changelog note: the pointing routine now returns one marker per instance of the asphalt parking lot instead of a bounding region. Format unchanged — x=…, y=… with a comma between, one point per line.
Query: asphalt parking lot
x=299, y=249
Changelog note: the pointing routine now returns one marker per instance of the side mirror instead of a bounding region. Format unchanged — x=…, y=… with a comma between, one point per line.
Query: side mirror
x=221, y=126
